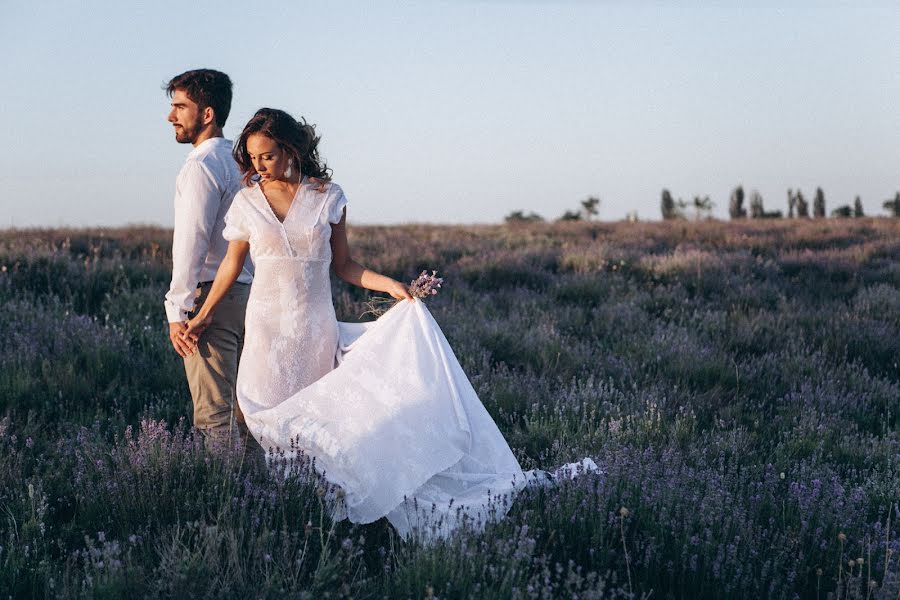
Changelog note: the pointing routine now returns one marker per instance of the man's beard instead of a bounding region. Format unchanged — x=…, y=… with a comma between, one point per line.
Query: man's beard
x=187, y=135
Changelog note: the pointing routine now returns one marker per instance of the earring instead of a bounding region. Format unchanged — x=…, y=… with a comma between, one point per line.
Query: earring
x=290, y=169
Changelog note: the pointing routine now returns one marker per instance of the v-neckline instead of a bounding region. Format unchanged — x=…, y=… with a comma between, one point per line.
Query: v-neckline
x=287, y=213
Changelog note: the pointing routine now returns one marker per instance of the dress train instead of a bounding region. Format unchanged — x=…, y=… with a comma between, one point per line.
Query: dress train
x=399, y=428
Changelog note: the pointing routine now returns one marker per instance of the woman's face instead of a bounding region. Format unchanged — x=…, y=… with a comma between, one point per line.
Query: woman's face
x=268, y=159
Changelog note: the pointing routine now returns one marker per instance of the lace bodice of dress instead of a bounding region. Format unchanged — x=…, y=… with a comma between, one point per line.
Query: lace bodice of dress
x=305, y=233
x=291, y=331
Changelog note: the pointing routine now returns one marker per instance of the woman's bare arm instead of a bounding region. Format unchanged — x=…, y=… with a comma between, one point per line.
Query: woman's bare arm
x=354, y=273
x=228, y=272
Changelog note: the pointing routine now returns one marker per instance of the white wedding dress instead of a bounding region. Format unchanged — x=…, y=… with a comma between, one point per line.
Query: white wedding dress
x=383, y=407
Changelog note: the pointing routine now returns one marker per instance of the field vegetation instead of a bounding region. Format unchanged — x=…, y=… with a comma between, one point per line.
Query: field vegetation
x=738, y=383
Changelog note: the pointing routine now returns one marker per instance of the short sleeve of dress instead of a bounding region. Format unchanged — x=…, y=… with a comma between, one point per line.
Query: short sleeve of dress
x=336, y=203
x=236, y=229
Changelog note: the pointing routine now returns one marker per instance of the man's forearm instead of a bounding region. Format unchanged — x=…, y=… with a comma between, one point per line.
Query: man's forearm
x=190, y=246
x=182, y=290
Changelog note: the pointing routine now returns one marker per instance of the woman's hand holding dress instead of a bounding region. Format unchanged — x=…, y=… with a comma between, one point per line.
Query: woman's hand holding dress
x=398, y=291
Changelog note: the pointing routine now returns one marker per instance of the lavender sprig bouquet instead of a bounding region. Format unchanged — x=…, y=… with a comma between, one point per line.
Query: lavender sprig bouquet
x=423, y=286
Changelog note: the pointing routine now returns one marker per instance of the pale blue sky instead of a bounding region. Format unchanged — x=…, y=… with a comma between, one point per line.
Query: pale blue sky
x=460, y=111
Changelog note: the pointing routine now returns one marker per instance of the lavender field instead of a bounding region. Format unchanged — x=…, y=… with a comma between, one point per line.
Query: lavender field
x=738, y=383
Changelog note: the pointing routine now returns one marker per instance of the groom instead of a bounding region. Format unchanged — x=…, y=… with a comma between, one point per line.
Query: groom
x=204, y=189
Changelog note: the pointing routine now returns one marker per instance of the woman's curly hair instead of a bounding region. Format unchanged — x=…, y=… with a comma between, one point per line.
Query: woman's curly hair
x=297, y=138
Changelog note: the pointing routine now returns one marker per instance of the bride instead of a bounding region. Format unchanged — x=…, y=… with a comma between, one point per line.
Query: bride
x=384, y=407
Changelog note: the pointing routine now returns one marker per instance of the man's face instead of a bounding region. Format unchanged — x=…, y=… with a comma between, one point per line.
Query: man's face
x=186, y=117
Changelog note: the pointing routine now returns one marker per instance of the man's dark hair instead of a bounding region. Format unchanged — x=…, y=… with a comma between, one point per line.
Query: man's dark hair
x=206, y=87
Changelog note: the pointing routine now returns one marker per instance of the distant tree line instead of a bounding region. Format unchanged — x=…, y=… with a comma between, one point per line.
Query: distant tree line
x=675, y=209
x=798, y=206
x=701, y=207
x=590, y=208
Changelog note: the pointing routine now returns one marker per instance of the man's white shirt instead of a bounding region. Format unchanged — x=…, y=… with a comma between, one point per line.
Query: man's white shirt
x=204, y=190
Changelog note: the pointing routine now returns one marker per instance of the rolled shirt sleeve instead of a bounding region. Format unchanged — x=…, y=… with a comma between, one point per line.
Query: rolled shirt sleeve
x=197, y=201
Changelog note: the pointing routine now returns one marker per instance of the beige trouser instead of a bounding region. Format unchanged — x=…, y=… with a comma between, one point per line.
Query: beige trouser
x=212, y=369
